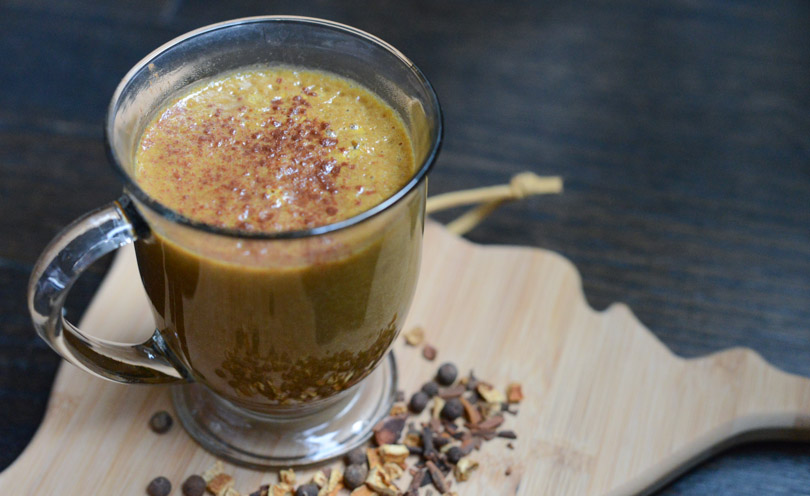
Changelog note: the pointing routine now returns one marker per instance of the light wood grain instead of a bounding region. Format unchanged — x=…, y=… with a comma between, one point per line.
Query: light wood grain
x=608, y=410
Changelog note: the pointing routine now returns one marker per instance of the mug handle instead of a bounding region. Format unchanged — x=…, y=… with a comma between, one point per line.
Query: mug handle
x=73, y=250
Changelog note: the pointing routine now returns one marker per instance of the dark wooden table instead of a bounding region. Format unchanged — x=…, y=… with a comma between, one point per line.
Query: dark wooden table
x=682, y=129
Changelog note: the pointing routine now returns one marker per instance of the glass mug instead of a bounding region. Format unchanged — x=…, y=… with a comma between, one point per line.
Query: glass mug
x=273, y=338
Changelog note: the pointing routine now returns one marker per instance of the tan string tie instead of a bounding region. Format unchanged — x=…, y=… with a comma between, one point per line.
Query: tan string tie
x=491, y=197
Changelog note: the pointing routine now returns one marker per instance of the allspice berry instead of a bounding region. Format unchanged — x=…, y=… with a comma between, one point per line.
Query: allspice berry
x=447, y=374
x=161, y=422
x=453, y=409
x=356, y=456
x=354, y=476
x=193, y=486
x=454, y=454
x=418, y=402
x=430, y=388
x=160, y=486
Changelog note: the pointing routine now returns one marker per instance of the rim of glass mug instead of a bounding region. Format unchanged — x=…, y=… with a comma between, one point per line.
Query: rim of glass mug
x=131, y=187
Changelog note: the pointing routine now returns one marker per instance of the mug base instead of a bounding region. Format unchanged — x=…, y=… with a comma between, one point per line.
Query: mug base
x=279, y=441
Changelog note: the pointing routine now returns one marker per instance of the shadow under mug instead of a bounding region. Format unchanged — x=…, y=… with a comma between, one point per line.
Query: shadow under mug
x=273, y=338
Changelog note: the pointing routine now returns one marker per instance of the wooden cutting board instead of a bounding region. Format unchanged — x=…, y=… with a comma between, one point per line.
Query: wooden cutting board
x=608, y=409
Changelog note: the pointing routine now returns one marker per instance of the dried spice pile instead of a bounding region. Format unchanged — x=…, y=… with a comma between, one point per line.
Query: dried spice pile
x=461, y=416
x=432, y=438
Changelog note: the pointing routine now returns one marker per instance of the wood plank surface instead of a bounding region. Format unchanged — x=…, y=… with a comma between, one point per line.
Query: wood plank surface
x=608, y=409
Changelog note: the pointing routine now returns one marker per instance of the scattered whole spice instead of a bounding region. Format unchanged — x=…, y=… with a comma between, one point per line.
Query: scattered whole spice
x=416, y=482
x=161, y=422
x=220, y=483
x=418, y=402
x=491, y=423
x=438, y=405
x=453, y=409
x=374, y=459
x=393, y=470
x=436, y=477
x=415, y=336
x=463, y=469
x=514, y=393
x=447, y=374
x=429, y=352
x=307, y=490
x=396, y=453
x=428, y=450
x=470, y=411
x=430, y=388
x=159, y=486
x=507, y=434
x=388, y=430
x=452, y=391
x=335, y=482
x=217, y=468
x=356, y=456
x=193, y=486
x=454, y=454
x=379, y=481
x=355, y=475
x=489, y=393
x=488, y=409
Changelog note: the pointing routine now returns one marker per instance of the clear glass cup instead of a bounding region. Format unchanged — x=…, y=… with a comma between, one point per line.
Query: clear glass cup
x=273, y=339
